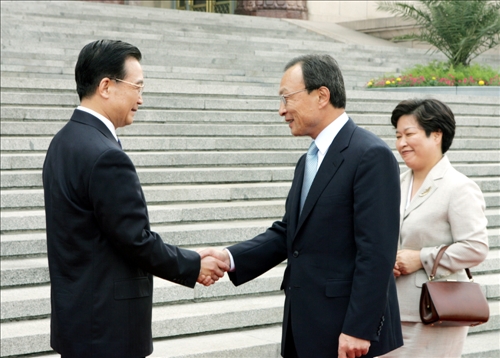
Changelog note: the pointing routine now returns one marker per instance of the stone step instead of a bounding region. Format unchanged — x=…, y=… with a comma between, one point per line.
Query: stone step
x=34, y=160
x=268, y=115
x=50, y=128
x=163, y=214
x=30, y=271
x=90, y=11
x=492, y=200
x=199, y=175
x=461, y=105
x=184, y=234
x=196, y=158
x=494, y=237
x=360, y=102
x=157, y=194
x=490, y=265
x=205, y=143
x=177, y=321
x=213, y=175
x=233, y=46
x=291, y=39
x=162, y=194
x=16, y=70
x=357, y=71
x=192, y=234
x=363, y=101
x=29, y=302
x=168, y=321
x=253, y=343
x=28, y=143
x=481, y=345
x=172, y=17
x=266, y=342
x=488, y=184
x=32, y=302
x=490, y=284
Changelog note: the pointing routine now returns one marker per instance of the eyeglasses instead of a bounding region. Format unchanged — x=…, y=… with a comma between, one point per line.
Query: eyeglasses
x=283, y=97
x=140, y=88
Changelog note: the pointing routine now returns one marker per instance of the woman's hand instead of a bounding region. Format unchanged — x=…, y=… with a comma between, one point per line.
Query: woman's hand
x=407, y=262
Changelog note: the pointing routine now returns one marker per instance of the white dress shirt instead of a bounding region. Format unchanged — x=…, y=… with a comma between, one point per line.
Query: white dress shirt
x=103, y=119
x=323, y=142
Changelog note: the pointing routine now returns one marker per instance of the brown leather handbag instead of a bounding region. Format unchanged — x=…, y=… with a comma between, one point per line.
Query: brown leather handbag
x=452, y=303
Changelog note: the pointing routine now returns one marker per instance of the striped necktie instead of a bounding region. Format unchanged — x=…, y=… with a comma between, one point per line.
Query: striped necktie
x=309, y=172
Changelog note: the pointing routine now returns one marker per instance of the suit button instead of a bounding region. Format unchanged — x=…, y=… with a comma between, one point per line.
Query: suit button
x=295, y=254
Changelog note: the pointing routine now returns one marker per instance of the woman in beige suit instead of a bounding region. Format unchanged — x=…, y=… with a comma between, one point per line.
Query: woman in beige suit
x=439, y=206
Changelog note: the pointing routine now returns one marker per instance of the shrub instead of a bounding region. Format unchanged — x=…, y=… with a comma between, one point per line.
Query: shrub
x=460, y=29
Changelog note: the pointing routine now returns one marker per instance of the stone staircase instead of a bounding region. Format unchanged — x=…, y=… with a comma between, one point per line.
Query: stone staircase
x=214, y=158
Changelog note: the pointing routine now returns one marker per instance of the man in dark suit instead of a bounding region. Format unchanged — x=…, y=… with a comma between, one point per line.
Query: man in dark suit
x=101, y=251
x=339, y=234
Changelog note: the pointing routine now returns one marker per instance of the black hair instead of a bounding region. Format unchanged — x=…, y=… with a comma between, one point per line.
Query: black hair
x=322, y=70
x=101, y=59
x=432, y=115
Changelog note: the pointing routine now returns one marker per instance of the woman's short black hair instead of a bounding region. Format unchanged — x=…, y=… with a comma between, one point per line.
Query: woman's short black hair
x=432, y=115
x=101, y=59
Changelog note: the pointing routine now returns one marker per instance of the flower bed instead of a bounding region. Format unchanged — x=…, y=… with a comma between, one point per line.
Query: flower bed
x=439, y=74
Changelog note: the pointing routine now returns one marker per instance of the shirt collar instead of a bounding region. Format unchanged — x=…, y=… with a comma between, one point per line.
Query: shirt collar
x=327, y=135
x=103, y=119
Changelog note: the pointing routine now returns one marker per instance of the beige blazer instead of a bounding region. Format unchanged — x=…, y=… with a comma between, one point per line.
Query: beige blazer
x=447, y=209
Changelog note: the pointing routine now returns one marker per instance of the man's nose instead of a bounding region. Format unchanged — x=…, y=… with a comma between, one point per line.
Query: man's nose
x=282, y=109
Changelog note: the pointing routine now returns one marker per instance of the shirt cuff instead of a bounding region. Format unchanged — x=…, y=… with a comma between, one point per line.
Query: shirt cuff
x=232, y=268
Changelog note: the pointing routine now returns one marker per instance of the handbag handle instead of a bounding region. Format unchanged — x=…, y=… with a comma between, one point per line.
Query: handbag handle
x=436, y=263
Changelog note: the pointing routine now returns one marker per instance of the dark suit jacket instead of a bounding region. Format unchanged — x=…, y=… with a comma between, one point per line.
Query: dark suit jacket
x=340, y=251
x=101, y=251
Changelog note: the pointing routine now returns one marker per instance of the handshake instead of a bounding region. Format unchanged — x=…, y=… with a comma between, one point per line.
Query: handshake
x=213, y=265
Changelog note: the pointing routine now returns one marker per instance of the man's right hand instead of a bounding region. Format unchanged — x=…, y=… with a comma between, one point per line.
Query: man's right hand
x=211, y=270
x=221, y=255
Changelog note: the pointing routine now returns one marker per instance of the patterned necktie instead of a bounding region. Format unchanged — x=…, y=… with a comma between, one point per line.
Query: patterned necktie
x=309, y=172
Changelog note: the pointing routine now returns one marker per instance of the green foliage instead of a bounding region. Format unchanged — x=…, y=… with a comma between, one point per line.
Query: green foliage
x=460, y=29
x=440, y=74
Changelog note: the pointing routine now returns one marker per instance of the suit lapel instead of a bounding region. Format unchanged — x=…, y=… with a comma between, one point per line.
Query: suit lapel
x=294, y=196
x=405, y=187
x=90, y=120
x=429, y=186
x=331, y=163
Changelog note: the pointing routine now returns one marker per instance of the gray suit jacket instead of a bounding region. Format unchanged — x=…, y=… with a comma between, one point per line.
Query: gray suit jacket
x=447, y=209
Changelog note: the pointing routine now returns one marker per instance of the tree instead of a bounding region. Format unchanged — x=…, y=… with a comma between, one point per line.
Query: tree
x=461, y=30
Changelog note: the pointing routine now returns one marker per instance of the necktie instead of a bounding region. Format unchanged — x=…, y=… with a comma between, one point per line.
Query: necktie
x=120, y=143
x=309, y=172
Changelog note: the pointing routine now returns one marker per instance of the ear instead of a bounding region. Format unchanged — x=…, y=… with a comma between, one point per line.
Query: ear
x=437, y=136
x=104, y=87
x=324, y=96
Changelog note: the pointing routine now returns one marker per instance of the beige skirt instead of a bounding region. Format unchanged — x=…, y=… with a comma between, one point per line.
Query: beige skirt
x=422, y=341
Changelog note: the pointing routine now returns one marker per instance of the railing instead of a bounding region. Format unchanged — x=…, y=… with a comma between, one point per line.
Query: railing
x=217, y=6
